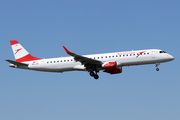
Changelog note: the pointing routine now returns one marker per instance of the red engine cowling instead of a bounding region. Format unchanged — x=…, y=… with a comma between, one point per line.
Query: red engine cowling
x=109, y=65
x=114, y=71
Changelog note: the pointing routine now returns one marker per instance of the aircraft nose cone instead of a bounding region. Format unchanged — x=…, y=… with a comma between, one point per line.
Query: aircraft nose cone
x=171, y=57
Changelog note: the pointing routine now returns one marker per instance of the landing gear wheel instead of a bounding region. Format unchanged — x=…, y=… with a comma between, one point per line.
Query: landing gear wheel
x=96, y=76
x=91, y=73
x=157, y=64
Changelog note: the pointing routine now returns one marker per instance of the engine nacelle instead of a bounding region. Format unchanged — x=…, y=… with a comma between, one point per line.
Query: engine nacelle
x=109, y=65
x=114, y=71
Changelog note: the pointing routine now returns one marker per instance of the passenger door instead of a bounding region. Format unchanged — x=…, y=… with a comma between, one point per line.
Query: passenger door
x=153, y=54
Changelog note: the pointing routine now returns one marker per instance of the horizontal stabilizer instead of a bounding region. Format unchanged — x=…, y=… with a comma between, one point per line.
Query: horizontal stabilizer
x=16, y=63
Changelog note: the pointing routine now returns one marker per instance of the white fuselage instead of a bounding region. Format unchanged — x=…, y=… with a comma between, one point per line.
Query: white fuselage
x=128, y=58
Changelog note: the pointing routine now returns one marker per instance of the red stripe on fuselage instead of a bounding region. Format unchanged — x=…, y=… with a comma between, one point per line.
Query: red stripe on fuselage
x=13, y=42
x=27, y=58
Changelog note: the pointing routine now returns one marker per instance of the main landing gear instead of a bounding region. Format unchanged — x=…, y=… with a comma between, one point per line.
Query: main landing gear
x=94, y=74
x=157, y=64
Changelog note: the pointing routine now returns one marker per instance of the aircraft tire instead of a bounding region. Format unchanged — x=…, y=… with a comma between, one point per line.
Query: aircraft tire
x=91, y=73
x=96, y=76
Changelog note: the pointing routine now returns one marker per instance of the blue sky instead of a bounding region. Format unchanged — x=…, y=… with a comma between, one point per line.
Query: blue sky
x=87, y=27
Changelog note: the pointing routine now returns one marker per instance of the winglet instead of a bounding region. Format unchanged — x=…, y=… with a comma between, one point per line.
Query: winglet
x=68, y=52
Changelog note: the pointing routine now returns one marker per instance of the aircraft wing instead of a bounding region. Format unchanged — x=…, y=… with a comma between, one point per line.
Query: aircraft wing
x=84, y=60
x=16, y=63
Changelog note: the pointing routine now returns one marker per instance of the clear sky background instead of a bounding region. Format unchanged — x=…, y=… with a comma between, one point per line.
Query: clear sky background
x=88, y=27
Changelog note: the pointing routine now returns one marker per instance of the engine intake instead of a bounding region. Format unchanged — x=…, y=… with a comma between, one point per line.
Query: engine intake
x=112, y=67
x=109, y=65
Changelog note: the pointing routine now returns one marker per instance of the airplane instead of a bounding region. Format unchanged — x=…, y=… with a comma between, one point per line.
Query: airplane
x=108, y=62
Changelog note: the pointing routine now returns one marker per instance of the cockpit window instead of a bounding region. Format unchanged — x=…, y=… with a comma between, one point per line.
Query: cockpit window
x=162, y=52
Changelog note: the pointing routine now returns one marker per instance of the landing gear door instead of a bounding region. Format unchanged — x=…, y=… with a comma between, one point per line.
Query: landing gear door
x=153, y=54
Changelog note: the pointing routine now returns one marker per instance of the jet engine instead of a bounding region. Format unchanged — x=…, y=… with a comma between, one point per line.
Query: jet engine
x=114, y=71
x=111, y=67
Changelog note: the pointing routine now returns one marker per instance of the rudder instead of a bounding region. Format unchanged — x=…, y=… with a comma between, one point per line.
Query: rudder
x=20, y=54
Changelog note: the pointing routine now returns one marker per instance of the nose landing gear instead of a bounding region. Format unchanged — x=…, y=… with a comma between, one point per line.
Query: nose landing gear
x=157, y=64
